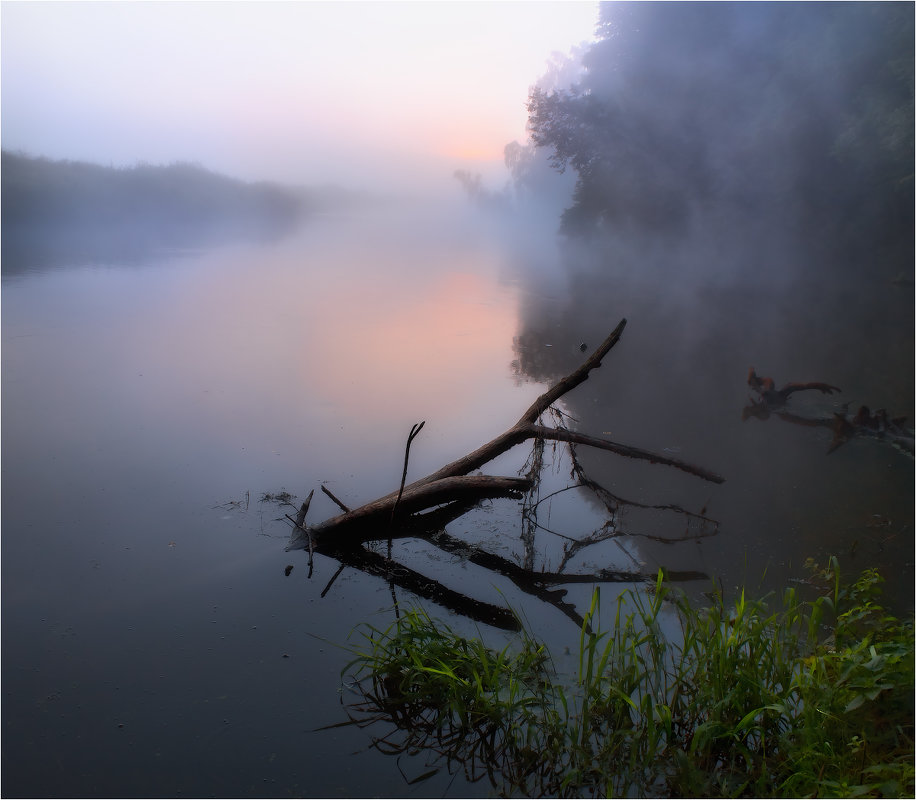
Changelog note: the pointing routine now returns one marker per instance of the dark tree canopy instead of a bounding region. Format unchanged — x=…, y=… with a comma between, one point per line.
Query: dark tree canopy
x=801, y=111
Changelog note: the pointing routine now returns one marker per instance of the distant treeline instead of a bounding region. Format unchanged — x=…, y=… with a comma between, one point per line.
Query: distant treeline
x=41, y=192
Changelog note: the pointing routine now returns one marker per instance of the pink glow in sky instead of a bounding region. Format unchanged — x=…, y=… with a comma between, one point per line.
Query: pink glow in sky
x=359, y=93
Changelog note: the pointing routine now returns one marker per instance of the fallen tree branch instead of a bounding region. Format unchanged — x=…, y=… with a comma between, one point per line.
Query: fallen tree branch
x=452, y=482
x=333, y=497
x=361, y=524
x=564, y=435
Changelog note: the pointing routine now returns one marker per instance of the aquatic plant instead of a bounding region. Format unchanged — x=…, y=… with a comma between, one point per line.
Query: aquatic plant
x=812, y=699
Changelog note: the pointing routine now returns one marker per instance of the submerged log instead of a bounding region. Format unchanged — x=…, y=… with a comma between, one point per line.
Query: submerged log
x=453, y=484
x=863, y=424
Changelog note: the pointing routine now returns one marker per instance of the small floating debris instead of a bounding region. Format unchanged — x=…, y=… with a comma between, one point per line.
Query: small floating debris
x=282, y=497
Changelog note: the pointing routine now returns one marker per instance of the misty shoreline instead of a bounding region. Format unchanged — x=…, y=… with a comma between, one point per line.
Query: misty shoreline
x=63, y=211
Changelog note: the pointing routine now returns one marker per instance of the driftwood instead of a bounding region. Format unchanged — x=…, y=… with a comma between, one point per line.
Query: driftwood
x=862, y=424
x=422, y=510
x=453, y=484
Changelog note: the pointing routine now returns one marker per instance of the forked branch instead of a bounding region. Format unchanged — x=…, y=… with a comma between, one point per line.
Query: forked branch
x=453, y=484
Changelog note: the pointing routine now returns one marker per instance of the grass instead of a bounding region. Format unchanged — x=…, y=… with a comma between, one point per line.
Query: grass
x=814, y=698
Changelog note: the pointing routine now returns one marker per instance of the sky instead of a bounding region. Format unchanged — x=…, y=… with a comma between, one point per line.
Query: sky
x=363, y=94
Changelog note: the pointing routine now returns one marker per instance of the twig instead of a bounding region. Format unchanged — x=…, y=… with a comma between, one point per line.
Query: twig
x=300, y=518
x=413, y=434
x=330, y=494
x=300, y=523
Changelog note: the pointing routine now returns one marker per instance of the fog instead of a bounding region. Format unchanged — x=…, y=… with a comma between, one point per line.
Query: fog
x=735, y=179
x=247, y=246
x=369, y=95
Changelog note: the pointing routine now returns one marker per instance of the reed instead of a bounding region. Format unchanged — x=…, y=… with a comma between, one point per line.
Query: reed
x=812, y=698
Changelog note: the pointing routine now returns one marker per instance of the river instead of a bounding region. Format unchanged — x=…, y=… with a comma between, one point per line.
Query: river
x=156, y=642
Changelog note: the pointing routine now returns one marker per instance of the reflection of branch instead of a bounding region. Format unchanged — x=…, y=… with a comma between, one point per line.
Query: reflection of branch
x=529, y=581
x=428, y=588
x=533, y=583
x=614, y=504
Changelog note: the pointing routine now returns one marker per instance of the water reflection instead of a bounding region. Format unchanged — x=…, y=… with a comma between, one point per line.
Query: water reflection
x=678, y=382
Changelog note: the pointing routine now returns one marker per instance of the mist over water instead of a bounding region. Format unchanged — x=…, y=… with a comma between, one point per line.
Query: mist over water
x=154, y=404
x=183, y=337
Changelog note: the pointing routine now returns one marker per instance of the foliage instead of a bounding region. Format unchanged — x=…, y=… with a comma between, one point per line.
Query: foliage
x=746, y=702
x=496, y=713
x=798, y=113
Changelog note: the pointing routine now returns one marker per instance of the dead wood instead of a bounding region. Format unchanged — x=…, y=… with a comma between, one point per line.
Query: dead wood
x=864, y=424
x=423, y=509
x=368, y=522
x=333, y=497
x=453, y=484
x=414, y=432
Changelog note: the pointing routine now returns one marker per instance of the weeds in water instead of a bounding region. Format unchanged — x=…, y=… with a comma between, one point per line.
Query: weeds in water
x=281, y=498
x=812, y=699
x=493, y=712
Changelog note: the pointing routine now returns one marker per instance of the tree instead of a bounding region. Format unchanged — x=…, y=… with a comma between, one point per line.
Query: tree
x=691, y=110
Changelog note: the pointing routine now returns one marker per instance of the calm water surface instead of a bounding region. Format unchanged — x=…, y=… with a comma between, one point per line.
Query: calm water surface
x=154, y=645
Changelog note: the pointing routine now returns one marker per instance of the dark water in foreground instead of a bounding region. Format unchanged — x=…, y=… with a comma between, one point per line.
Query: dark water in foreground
x=153, y=645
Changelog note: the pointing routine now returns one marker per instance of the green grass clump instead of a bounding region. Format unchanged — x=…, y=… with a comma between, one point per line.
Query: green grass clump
x=812, y=699
x=494, y=712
